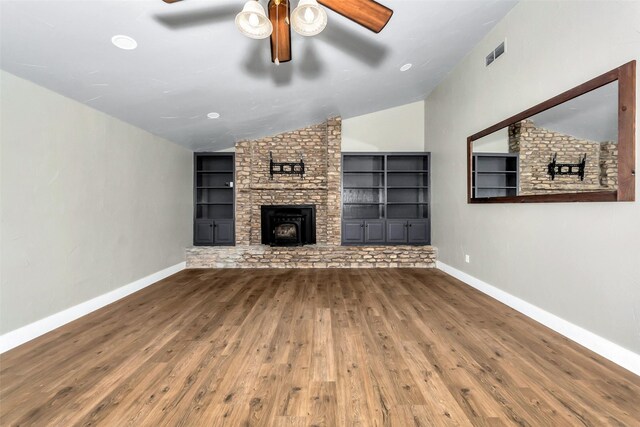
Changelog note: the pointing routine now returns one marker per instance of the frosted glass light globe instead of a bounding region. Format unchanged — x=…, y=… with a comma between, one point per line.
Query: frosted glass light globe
x=253, y=21
x=308, y=19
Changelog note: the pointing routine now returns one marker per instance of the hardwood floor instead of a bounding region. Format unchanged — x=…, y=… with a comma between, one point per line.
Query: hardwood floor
x=311, y=347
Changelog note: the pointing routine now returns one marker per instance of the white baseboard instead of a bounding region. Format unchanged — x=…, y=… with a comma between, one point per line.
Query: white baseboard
x=33, y=330
x=605, y=348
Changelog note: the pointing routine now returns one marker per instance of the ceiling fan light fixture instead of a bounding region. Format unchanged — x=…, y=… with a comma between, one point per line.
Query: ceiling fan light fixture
x=253, y=21
x=308, y=19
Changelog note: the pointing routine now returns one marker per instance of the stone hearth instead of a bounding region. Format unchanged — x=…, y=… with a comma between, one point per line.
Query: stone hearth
x=312, y=256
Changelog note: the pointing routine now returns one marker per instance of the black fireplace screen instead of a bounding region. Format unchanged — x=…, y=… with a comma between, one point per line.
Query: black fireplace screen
x=288, y=225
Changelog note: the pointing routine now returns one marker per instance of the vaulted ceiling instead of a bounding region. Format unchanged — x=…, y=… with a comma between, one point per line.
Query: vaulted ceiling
x=191, y=60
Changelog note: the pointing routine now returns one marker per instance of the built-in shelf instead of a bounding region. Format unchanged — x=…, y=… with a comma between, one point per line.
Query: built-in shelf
x=214, y=205
x=407, y=203
x=408, y=171
x=363, y=203
x=207, y=203
x=385, y=198
x=407, y=187
x=495, y=175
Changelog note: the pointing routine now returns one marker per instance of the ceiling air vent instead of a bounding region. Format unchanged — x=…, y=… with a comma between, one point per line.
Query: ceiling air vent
x=495, y=54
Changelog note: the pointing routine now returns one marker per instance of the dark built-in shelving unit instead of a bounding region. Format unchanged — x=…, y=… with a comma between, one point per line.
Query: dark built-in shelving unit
x=385, y=198
x=214, y=199
x=495, y=175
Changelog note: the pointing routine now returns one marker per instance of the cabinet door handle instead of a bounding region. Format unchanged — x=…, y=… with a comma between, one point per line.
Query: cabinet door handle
x=210, y=225
x=410, y=225
x=361, y=225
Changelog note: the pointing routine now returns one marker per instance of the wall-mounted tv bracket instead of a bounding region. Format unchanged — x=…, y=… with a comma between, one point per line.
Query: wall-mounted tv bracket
x=286, y=168
x=556, y=168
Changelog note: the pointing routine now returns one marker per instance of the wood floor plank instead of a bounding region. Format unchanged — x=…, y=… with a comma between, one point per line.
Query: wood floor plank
x=323, y=362
x=332, y=347
x=440, y=404
x=323, y=404
x=351, y=384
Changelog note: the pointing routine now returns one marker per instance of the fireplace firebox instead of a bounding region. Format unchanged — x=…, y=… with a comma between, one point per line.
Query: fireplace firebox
x=288, y=225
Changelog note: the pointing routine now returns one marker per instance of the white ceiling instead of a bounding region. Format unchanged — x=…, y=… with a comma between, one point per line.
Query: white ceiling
x=191, y=60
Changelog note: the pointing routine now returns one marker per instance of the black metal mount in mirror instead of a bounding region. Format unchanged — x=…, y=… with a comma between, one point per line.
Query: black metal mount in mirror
x=576, y=147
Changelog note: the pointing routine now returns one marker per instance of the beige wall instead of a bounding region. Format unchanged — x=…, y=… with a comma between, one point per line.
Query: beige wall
x=577, y=261
x=497, y=142
x=395, y=129
x=88, y=203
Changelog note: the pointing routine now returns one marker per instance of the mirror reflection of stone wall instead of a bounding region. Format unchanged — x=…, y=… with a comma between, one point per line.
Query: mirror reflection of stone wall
x=587, y=124
x=536, y=146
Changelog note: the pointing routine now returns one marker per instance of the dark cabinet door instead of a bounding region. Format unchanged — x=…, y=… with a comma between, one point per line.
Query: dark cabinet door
x=374, y=232
x=203, y=232
x=353, y=231
x=396, y=231
x=418, y=232
x=223, y=232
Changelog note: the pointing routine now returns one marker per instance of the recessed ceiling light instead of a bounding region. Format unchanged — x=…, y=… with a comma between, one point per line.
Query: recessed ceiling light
x=124, y=42
x=406, y=67
x=213, y=115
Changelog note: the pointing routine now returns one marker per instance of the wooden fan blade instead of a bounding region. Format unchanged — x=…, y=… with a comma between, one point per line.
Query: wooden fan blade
x=281, y=35
x=368, y=13
x=171, y=1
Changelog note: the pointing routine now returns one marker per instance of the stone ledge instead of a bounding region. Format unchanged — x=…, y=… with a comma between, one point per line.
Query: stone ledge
x=312, y=256
x=286, y=186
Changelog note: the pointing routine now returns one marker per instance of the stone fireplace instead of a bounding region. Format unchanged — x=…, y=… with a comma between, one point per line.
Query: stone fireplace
x=288, y=221
x=320, y=186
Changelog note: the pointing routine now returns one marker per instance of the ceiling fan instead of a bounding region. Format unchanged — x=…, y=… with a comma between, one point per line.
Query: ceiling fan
x=307, y=19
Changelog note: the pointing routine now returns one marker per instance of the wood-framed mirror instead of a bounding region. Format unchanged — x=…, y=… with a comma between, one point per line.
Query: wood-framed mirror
x=578, y=146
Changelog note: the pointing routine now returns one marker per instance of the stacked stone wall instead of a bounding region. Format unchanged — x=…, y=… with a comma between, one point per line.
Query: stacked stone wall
x=536, y=147
x=609, y=165
x=319, y=147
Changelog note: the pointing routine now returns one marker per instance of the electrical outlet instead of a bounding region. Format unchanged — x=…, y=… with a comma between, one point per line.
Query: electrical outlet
x=467, y=259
